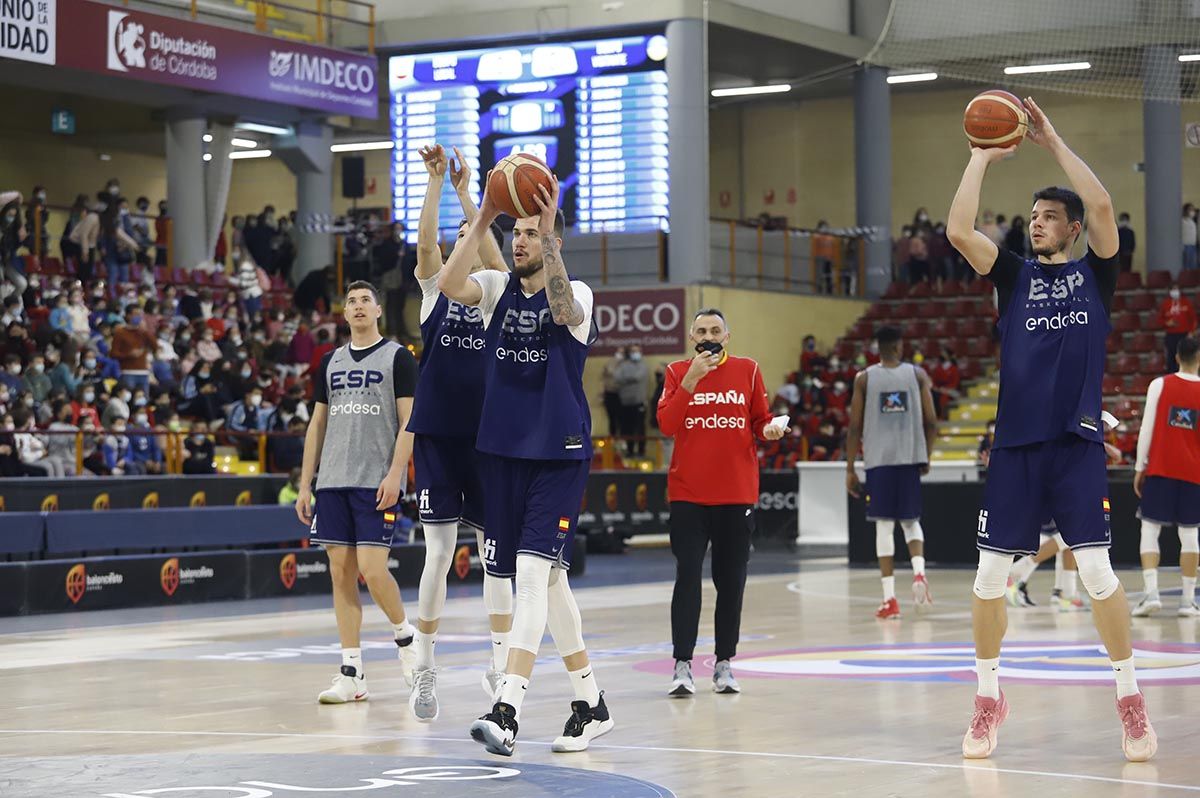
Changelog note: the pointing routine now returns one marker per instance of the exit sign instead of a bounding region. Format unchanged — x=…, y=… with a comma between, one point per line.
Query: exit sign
x=62, y=121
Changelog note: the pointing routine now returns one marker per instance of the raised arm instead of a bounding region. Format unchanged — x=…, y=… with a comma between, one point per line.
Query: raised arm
x=460, y=177
x=563, y=308
x=1102, y=220
x=429, y=255
x=454, y=280
x=979, y=250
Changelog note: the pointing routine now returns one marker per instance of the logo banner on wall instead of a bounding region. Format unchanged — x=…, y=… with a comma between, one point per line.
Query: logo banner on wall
x=27, y=30
x=123, y=42
x=653, y=318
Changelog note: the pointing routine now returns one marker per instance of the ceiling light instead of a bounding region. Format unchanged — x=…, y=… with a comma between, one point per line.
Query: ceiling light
x=246, y=143
x=1034, y=68
x=360, y=146
x=238, y=156
x=917, y=77
x=207, y=157
x=273, y=130
x=207, y=138
x=775, y=89
x=1190, y=57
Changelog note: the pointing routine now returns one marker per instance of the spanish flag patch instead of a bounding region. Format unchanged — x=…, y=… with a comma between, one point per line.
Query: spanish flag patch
x=389, y=517
x=1107, y=506
x=564, y=524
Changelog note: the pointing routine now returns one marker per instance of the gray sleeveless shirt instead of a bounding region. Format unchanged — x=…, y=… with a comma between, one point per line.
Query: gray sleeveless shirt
x=893, y=429
x=360, y=435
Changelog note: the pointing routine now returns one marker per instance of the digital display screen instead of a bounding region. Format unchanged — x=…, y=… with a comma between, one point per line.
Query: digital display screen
x=595, y=111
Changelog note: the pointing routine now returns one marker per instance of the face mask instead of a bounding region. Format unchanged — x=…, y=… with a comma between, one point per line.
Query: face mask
x=118, y=430
x=9, y=218
x=810, y=346
x=259, y=337
x=185, y=338
x=29, y=401
x=709, y=346
x=89, y=363
x=860, y=361
x=204, y=375
x=834, y=362
x=125, y=396
x=839, y=386
x=174, y=425
x=198, y=438
x=4, y=398
x=619, y=355
x=255, y=400
x=9, y=426
x=41, y=196
x=142, y=419
x=89, y=397
x=124, y=212
x=114, y=190
x=245, y=374
x=236, y=339
x=143, y=208
x=635, y=356
x=14, y=369
x=39, y=367
x=1174, y=294
x=139, y=402
x=923, y=217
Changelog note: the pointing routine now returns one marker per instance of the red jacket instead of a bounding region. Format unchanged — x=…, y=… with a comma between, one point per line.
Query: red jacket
x=715, y=459
x=1177, y=315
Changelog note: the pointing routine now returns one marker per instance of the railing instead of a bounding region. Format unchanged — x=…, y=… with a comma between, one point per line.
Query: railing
x=790, y=259
x=40, y=240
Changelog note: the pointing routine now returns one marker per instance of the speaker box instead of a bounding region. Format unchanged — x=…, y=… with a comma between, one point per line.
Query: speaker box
x=354, y=177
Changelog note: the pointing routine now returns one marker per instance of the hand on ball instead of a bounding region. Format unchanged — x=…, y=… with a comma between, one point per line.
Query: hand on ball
x=547, y=202
x=993, y=154
x=1040, y=131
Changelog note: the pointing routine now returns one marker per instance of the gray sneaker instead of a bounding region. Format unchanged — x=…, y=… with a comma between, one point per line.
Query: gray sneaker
x=423, y=699
x=723, y=681
x=683, y=685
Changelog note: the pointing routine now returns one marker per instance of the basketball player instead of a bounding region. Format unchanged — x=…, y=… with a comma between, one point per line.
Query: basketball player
x=1065, y=596
x=536, y=447
x=364, y=395
x=445, y=422
x=1048, y=459
x=714, y=406
x=892, y=416
x=1167, y=479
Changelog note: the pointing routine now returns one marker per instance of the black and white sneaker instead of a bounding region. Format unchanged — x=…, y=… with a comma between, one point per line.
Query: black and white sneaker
x=585, y=724
x=497, y=730
x=683, y=685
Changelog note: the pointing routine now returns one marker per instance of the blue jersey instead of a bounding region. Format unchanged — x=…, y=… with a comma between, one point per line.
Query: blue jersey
x=534, y=406
x=1053, y=327
x=449, y=395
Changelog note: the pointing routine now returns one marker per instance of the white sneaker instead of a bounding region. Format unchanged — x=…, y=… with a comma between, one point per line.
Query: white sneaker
x=1149, y=605
x=492, y=679
x=1189, y=610
x=408, y=658
x=423, y=700
x=348, y=687
x=723, y=681
x=683, y=685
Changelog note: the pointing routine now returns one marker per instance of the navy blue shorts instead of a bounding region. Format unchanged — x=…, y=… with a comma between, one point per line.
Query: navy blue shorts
x=894, y=493
x=1065, y=480
x=531, y=507
x=347, y=517
x=447, y=481
x=1170, y=502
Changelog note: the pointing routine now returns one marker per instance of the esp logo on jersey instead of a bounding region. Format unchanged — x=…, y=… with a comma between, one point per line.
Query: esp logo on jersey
x=354, y=378
x=893, y=402
x=1182, y=418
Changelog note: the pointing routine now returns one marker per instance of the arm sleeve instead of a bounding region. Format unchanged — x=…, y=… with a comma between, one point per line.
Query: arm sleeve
x=672, y=407
x=583, y=295
x=1004, y=276
x=493, y=284
x=1106, y=270
x=320, y=388
x=760, y=405
x=404, y=374
x=429, y=296
x=1149, y=415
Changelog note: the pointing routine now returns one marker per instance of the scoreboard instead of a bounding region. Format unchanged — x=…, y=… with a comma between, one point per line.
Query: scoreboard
x=595, y=111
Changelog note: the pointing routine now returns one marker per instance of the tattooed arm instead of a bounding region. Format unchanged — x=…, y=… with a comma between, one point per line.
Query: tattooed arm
x=564, y=308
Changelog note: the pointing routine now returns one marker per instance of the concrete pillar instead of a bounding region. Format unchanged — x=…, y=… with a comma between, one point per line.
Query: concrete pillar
x=185, y=188
x=1162, y=131
x=873, y=172
x=687, y=78
x=306, y=153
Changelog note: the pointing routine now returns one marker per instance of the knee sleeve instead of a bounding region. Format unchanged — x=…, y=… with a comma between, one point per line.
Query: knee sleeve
x=991, y=577
x=1096, y=573
x=1062, y=544
x=497, y=591
x=912, y=531
x=439, y=551
x=1189, y=540
x=885, y=542
x=566, y=625
x=530, y=604
x=1150, y=531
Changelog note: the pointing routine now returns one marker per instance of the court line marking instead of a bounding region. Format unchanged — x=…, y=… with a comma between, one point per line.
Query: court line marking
x=794, y=587
x=658, y=749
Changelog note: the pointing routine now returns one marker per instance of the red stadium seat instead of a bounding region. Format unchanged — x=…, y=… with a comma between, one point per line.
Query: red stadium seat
x=980, y=286
x=1125, y=322
x=846, y=350
x=876, y=312
x=1158, y=279
x=951, y=288
x=921, y=291
x=1142, y=342
x=961, y=307
x=896, y=290
x=1128, y=281
x=931, y=310
x=1140, y=384
x=944, y=328
x=1189, y=279
x=979, y=347
x=1125, y=364
x=861, y=330
x=1156, y=363
x=1150, y=323
x=905, y=310
x=1112, y=385
x=219, y=280
x=969, y=369
x=1118, y=303
x=1140, y=301
x=917, y=328
x=971, y=327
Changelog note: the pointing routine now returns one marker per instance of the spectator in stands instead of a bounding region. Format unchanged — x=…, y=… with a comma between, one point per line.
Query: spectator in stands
x=118, y=245
x=86, y=236
x=116, y=450
x=300, y=350
x=250, y=281
x=207, y=348
x=60, y=316
x=85, y=405
x=200, y=393
x=93, y=454
x=199, y=450
x=1016, y=239
x=287, y=451
x=11, y=235
x=11, y=377
x=789, y=392
x=257, y=237
x=80, y=323
x=161, y=227
x=17, y=342
x=1126, y=242
x=62, y=374
x=60, y=442
x=921, y=223
x=918, y=257
x=116, y=407
x=139, y=230
x=71, y=251
x=313, y=290
x=826, y=444
x=248, y=417
x=144, y=450
x=946, y=382
x=984, y=453
x=290, y=490
x=237, y=240
x=824, y=253
x=1177, y=315
x=37, y=218
x=611, y=396
x=31, y=447
x=10, y=460
x=941, y=254
x=991, y=229
x=633, y=383
x=35, y=380
x=132, y=348
x=1189, y=236
x=12, y=311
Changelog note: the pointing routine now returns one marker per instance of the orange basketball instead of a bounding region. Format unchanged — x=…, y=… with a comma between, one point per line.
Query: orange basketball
x=995, y=119
x=514, y=183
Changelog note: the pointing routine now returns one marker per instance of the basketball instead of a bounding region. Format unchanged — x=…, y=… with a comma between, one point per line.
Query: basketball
x=995, y=119
x=514, y=183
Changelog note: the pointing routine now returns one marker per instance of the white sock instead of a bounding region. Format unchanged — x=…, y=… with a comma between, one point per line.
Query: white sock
x=918, y=565
x=584, y=684
x=403, y=630
x=1023, y=569
x=424, y=643
x=499, y=651
x=512, y=691
x=1188, y=598
x=353, y=658
x=1071, y=584
x=889, y=587
x=988, y=671
x=1058, y=571
x=1150, y=576
x=1126, y=678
